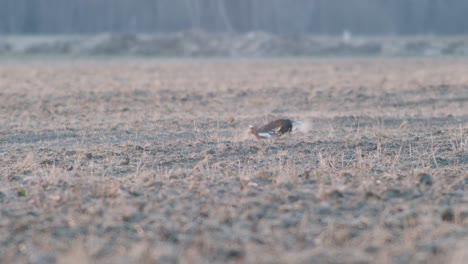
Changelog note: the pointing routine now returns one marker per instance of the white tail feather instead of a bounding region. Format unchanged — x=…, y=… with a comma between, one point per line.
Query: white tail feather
x=265, y=135
x=297, y=125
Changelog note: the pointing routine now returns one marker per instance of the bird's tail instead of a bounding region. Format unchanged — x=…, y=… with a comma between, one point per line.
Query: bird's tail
x=296, y=125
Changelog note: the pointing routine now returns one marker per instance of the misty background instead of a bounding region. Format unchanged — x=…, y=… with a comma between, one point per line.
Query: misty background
x=256, y=27
x=368, y=17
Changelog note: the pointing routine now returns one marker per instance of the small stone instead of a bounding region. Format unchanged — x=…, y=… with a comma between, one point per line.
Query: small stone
x=324, y=210
x=293, y=198
x=372, y=249
x=70, y=152
x=222, y=147
x=252, y=184
x=448, y=215
x=210, y=151
x=335, y=194
x=392, y=193
x=429, y=247
x=47, y=162
x=305, y=175
x=137, y=147
x=126, y=161
x=348, y=177
x=372, y=196
x=425, y=179
x=234, y=253
x=167, y=258
x=463, y=216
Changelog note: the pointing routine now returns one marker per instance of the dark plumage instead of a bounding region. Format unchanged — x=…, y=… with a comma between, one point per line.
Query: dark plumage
x=274, y=129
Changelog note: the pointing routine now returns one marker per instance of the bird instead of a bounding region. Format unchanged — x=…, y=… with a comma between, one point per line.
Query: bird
x=275, y=129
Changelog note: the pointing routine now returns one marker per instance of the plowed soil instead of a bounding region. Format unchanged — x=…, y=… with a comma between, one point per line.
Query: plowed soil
x=149, y=161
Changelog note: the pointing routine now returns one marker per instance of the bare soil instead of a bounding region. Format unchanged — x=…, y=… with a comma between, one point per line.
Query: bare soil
x=144, y=161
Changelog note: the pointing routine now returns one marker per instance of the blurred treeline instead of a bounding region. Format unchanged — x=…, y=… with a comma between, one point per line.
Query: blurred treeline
x=327, y=17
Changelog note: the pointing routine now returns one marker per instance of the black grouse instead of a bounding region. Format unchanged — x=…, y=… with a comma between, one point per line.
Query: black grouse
x=275, y=128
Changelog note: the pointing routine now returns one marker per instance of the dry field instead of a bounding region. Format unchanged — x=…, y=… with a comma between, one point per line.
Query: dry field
x=147, y=161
